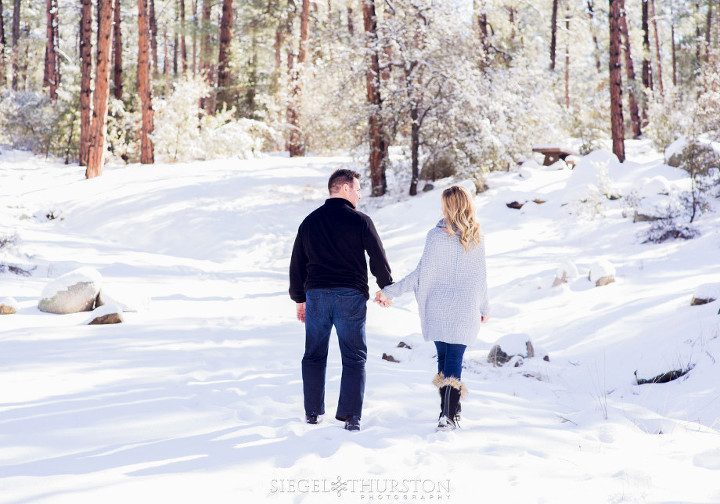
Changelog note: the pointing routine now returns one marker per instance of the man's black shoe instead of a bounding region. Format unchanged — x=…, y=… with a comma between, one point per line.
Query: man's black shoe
x=311, y=419
x=352, y=423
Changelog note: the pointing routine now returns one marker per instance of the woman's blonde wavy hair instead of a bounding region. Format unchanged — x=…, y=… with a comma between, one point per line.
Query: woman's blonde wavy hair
x=459, y=214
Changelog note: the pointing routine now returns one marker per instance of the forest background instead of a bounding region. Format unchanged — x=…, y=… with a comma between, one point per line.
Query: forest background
x=462, y=87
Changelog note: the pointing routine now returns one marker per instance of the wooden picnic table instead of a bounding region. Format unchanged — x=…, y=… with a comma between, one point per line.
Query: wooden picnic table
x=553, y=152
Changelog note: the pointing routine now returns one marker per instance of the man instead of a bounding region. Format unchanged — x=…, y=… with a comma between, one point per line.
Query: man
x=329, y=283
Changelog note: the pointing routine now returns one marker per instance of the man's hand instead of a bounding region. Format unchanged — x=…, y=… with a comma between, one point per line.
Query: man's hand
x=382, y=299
x=300, y=308
x=484, y=318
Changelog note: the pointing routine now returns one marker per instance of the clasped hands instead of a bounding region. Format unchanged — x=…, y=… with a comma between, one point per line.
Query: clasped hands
x=382, y=299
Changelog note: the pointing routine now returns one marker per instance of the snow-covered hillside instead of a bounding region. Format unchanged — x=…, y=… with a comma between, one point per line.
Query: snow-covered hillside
x=197, y=397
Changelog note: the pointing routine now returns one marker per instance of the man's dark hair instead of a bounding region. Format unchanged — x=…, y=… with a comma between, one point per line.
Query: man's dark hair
x=340, y=177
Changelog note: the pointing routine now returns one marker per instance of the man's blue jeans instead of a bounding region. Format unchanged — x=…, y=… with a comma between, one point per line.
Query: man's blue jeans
x=450, y=357
x=344, y=308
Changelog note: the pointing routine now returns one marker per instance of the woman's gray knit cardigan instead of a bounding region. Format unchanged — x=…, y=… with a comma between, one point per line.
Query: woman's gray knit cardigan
x=450, y=286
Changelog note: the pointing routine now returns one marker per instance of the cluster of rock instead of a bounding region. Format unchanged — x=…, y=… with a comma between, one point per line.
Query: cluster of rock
x=514, y=349
x=390, y=358
x=77, y=291
x=601, y=273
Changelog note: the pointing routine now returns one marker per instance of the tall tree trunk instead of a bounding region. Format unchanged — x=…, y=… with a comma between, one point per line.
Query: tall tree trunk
x=657, y=48
x=511, y=19
x=674, y=54
x=51, y=77
x=567, y=58
x=176, y=43
x=147, y=155
x=3, y=74
x=154, y=37
x=616, y=114
x=482, y=29
x=194, y=37
x=281, y=32
x=350, y=22
x=646, y=70
x=414, y=147
x=15, y=44
x=378, y=142
x=23, y=62
x=205, y=54
x=85, y=79
x=629, y=73
x=96, y=157
x=296, y=142
x=553, y=34
x=225, y=94
x=183, y=45
x=593, y=30
x=708, y=31
x=166, y=68
x=117, y=54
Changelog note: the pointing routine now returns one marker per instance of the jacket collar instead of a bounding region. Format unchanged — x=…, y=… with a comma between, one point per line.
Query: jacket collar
x=339, y=202
x=441, y=225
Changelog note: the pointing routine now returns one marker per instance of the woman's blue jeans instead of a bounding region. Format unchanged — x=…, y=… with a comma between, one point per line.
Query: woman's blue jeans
x=345, y=309
x=450, y=357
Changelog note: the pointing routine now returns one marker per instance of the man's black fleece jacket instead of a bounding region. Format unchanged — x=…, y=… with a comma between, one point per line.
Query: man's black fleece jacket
x=330, y=248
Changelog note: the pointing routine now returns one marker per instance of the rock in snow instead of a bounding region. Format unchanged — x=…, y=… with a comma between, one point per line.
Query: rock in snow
x=601, y=273
x=8, y=306
x=107, y=314
x=72, y=292
x=566, y=271
x=514, y=347
x=706, y=293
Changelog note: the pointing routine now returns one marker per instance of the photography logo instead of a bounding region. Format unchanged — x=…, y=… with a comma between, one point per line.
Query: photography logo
x=367, y=489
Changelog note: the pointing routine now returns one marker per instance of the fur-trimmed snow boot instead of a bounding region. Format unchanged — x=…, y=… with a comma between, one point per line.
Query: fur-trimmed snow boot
x=451, y=391
x=438, y=381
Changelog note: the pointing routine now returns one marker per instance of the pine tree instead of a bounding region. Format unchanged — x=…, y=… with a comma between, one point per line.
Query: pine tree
x=117, y=54
x=629, y=72
x=225, y=89
x=616, y=114
x=147, y=155
x=553, y=34
x=3, y=77
x=51, y=77
x=296, y=145
x=96, y=157
x=16, y=44
x=378, y=142
x=85, y=80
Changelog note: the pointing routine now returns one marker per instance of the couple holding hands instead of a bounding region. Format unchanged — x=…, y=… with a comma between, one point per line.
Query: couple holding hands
x=329, y=283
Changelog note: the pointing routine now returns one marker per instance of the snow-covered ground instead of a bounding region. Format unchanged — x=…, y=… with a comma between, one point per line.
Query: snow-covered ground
x=197, y=397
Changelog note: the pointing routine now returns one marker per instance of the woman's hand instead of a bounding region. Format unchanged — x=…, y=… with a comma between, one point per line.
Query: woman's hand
x=382, y=299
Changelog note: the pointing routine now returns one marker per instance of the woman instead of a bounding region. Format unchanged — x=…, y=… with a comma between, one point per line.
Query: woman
x=450, y=285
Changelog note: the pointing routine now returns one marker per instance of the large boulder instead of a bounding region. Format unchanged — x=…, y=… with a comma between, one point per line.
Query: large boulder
x=72, y=292
x=696, y=156
x=654, y=199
